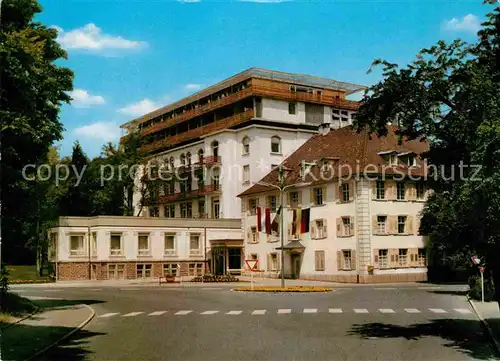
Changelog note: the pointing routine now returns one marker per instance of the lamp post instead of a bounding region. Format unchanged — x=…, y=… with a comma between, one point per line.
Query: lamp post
x=282, y=188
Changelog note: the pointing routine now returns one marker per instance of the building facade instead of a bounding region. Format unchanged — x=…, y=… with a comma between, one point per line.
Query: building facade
x=216, y=142
x=107, y=247
x=364, y=196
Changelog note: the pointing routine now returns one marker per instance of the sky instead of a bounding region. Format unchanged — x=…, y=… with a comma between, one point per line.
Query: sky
x=131, y=57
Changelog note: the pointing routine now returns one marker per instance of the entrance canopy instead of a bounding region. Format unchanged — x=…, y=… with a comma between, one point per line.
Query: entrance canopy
x=292, y=246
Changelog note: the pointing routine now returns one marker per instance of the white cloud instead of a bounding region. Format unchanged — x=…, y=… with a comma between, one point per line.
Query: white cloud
x=143, y=107
x=105, y=131
x=193, y=86
x=82, y=98
x=91, y=38
x=469, y=23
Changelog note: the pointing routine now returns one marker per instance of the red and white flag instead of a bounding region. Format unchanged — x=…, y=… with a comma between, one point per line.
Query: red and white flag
x=264, y=220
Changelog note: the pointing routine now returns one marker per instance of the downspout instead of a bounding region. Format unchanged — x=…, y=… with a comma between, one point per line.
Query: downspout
x=205, y=246
x=88, y=248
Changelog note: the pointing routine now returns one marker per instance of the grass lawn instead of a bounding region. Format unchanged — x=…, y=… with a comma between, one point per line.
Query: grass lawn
x=25, y=273
x=14, y=307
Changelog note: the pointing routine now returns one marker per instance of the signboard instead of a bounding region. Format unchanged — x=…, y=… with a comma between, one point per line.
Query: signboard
x=252, y=264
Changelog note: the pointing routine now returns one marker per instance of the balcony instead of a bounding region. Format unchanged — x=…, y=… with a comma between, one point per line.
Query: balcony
x=209, y=160
x=195, y=193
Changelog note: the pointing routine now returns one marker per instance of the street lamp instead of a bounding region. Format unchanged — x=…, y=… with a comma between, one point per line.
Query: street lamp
x=282, y=188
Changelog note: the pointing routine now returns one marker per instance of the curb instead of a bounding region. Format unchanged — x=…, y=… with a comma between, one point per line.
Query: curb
x=37, y=309
x=485, y=323
x=78, y=328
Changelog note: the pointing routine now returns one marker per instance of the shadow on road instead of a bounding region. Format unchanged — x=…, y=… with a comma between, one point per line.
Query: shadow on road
x=55, y=304
x=450, y=292
x=462, y=335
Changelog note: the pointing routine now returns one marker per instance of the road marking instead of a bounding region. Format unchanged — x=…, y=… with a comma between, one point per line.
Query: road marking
x=412, y=310
x=462, y=310
x=310, y=310
x=284, y=311
x=234, y=313
x=109, y=314
x=360, y=310
x=437, y=310
x=384, y=288
x=386, y=310
x=335, y=310
x=131, y=314
x=182, y=313
x=259, y=312
x=209, y=312
x=157, y=313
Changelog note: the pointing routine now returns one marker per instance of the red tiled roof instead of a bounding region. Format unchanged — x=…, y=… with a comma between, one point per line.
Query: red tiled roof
x=349, y=152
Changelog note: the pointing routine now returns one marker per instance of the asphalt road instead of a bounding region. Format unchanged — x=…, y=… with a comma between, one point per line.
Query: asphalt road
x=213, y=323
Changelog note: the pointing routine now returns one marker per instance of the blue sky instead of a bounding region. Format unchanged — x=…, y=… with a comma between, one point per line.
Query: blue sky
x=130, y=57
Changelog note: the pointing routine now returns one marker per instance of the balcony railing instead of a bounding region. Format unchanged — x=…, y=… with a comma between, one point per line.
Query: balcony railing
x=209, y=160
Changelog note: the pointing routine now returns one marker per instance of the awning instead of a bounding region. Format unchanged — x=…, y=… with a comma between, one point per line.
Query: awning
x=293, y=245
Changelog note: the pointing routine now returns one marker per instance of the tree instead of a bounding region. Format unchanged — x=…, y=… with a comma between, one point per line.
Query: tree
x=450, y=95
x=76, y=200
x=32, y=90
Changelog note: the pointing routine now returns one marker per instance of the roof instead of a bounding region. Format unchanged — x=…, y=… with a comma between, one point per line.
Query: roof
x=303, y=79
x=357, y=152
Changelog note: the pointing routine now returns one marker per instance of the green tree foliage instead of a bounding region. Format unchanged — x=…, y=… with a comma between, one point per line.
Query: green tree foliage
x=450, y=95
x=33, y=88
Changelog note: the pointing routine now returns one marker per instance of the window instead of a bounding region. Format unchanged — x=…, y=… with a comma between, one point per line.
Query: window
x=169, y=211
x=216, y=208
x=319, y=260
x=246, y=174
x=292, y=108
x=420, y=190
x=253, y=235
x=94, y=244
x=401, y=224
x=345, y=192
x=172, y=163
x=183, y=210
x=318, y=196
x=421, y=256
x=116, y=244
x=346, y=223
x=116, y=271
x=215, y=148
x=169, y=244
x=195, y=269
x=245, y=145
x=383, y=258
x=252, y=205
x=273, y=262
x=194, y=244
x=320, y=228
x=380, y=189
x=77, y=244
x=144, y=270
x=258, y=107
x=143, y=245
x=393, y=159
x=381, y=224
x=346, y=255
x=188, y=159
x=411, y=161
x=272, y=203
x=170, y=269
x=201, y=152
x=400, y=191
x=154, y=212
x=183, y=159
x=201, y=209
x=403, y=256
x=294, y=199
x=275, y=144
x=189, y=210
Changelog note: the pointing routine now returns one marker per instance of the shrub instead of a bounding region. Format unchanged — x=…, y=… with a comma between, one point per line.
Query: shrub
x=475, y=288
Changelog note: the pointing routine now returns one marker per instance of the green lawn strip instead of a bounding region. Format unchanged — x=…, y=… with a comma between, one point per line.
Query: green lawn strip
x=14, y=307
x=25, y=273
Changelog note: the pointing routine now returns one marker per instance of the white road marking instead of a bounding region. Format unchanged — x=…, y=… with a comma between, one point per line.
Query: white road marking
x=157, y=313
x=131, y=314
x=234, y=313
x=209, y=312
x=412, y=310
x=437, y=310
x=259, y=312
x=386, y=310
x=335, y=310
x=182, y=313
x=109, y=314
x=284, y=311
x=310, y=310
x=462, y=310
x=360, y=310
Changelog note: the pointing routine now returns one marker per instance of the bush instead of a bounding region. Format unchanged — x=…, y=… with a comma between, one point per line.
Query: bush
x=475, y=288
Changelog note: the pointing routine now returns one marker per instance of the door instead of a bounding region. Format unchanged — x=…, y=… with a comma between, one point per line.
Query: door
x=296, y=266
x=219, y=258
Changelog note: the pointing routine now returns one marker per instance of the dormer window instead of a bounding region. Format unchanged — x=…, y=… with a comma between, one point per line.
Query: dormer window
x=393, y=159
x=411, y=160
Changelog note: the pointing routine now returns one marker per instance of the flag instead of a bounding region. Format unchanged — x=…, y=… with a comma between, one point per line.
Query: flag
x=268, y=221
x=304, y=220
x=297, y=222
x=264, y=220
x=275, y=225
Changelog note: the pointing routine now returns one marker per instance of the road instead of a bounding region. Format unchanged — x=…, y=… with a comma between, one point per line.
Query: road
x=214, y=323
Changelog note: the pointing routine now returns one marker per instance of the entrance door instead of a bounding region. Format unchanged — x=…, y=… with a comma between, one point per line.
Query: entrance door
x=219, y=258
x=296, y=266
x=234, y=261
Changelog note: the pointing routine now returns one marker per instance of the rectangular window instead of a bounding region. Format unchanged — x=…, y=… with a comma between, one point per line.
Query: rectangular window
x=319, y=258
x=292, y=108
x=252, y=206
x=116, y=244
x=393, y=159
x=94, y=244
x=272, y=203
x=318, y=196
x=400, y=191
x=143, y=240
x=421, y=256
x=195, y=269
x=411, y=161
x=77, y=244
x=403, y=256
x=170, y=269
x=401, y=224
x=346, y=254
x=345, y=192
x=183, y=210
x=216, y=209
x=383, y=258
x=169, y=244
x=246, y=174
x=144, y=270
x=169, y=211
x=201, y=209
x=294, y=199
x=346, y=223
x=154, y=212
x=320, y=228
x=381, y=224
x=420, y=191
x=194, y=244
x=273, y=262
x=380, y=190
x=189, y=210
x=253, y=235
x=116, y=271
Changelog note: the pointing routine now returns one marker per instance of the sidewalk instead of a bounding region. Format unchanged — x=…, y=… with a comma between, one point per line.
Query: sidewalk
x=29, y=337
x=489, y=313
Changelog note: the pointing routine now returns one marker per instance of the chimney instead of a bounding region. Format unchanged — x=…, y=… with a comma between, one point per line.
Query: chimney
x=324, y=128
